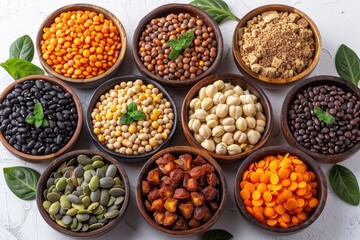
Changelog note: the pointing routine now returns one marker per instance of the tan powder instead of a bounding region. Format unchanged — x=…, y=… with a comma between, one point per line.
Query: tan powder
x=277, y=44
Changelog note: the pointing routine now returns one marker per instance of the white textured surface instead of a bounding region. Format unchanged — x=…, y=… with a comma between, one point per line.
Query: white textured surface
x=338, y=23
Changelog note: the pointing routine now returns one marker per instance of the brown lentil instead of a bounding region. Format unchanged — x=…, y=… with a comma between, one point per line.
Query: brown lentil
x=153, y=45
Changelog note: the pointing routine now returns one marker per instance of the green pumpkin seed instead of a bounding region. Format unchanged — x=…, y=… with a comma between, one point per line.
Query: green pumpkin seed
x=118, y=182
x=61, y=167
x=85, y=227
x=111, y=171
x=112, y=214
x=84, y=211
x=60, y=223
x=78, y=206
x=86, y=190
x=78, y=228
x=98, y=164
x=71, y=212
x=51, y=188
x=86, y=201
x=113, y=207
x=103, y=169
x=61, y=184
x=66, y=220
x=53, y=197
x=93, y=206
x=82, y=217
x=117, y=192
x=94, y=183
x=74, y=199
x=74, y=223
x=95, y=196
x=119, y=200
x=65, y=202
x=83, y=160
x=69, y=188
x=54, y=208
x=111, y=201
x=97, y=158
x=106, y=182
x=99, y=210
x=104, y=197
x=92, y=220
x=89, y=167
x=50, y=182
x=79, y=171
x=46, y=205
x=100, y=216
x=45, y=193
x=95, y=226
x=87, y=176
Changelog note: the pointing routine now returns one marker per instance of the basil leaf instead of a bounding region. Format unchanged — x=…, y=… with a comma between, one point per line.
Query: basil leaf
x=344, y=184
x=30, y=119
x=38, y=111
x=323, y=116
x=217, y=9
x=126, y=119
x=45, y=123
x=22, y=181
x=22, y=48
x=347, y=64
x=38, y=123
x=186, y=39
x=137, y=115
x=132, y=107
x=217, y=234
x=19, y=68
x=171, y=43
x=174, y=54
x=328, y=119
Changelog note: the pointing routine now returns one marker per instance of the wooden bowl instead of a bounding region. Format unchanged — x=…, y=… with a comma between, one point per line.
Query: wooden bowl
x=177, y=150
x=106, y=87
x=75, y=136
x=316, y=81
x=53, y=166
x=235, y=80
x=162, y=11
x=87, y=82
x=270, y=82
x=311, y=164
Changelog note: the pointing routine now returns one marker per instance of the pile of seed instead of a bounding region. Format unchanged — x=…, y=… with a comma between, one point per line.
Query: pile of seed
x=81, y=44
x=84, y=193
x=59, y=109
x=318, y=136
x=140, y=136
x=193, y=61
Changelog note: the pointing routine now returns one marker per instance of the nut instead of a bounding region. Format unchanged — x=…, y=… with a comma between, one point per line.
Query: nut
x=221, y=148
x=212, y=123
x=233, y=149
x=233, y=100
x=229, y=93
x=227, y=86
x=228, y=121
x=235, y=112
x=208, y=144
x=260, y=123
x=259, y=107
x=238, y=90
x=217, y=139
x=229, y=128
x=246, y=99
x=249, y=110
x=202, y=93
x=221, y=110
x=195, y=103
x=198, y=138
x=207, y=103
x=241, y=124
x=211, y=90
x=205, y=131
x=211, y=117
x=218, y=131
x=227, y=138
x=200, y=114
x=218, y=98
x=259, y=116
x=219, y=84
x=253, y=137
x=251, y=122
x=195, y=125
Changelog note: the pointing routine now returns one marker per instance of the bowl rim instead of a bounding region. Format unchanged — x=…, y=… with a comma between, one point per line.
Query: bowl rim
x=268, y=112
x=110, y=84
x=272, y=81
x=74, y=137
x=84, y=7
x=177, y=7
x=316, y=81
x=179, y=150
x=52, y=167
x=310, y=163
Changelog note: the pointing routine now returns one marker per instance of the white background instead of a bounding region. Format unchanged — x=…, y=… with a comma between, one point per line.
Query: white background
x=338, y=22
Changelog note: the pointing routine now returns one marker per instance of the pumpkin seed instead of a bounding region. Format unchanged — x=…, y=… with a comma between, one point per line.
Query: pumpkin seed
x=79, y=171
x=111, y=201
x=100, y=173
x=78, y=206
x=103, y=220
x=50, y=182
x=65, y=202
x=89, y=167
x=106, y=182
x=94, y=183
x=54, y=208
x=98, y=164
x=86, y=201
x=82, y=217
x=46, y=205
x=92, y=220
x=84, y=211
x=53, y=197
x=74, y=199
x=61, y=184
x=59, y=222
x=111, y=214
x=66, y=220
x=93, y=206
x=74, y=223
x=104, y=197
x=99, y=210
x=61, y=167
x=71, y=212
x=78, y=228
x=96, y=226
x=86, y=190
x=111, y=171
x=97, y=158
x=95, y=196
x=116, y=192
x=71, y=162
x=85, y=227
x=83, y=160
x=119, y=200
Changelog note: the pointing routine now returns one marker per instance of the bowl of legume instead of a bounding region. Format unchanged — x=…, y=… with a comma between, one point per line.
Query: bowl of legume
x=181, y=190
x=82, y=44
x=177, y=45
x=131, y=117
x=321, y=117
x=83, y=193
x=40, y=118
x=280, y=189
x=226, y=115
x=276, y=44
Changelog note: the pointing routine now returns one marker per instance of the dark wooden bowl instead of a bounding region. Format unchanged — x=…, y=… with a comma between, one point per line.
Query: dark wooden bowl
x=273, y=82
x=176, y=150
x=316, y=81
x=162, y=11
x=311, y=164
x=235, y=80
x=53, y=166
x=86, y=82
x=106, y=87
x=75, y=136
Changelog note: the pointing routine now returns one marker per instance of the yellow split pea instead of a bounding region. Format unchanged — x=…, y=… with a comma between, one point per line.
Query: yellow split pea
x=138, y=137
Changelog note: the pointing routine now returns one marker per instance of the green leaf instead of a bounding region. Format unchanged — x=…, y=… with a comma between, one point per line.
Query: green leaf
x=30, y=119
x=38, y=123
x=217, y=9
x=348, y=64
x=217, y=234
x=126, y=119
x=186, y=39
x=38, y=111
x=22, y=181
x=45, y=123
x=137, y=115
x=182, y=42
x=172, y=43
x=22, y=48
x=132, y=107
x=344, y=184
x=19, y=68
x=174, y=54
x=323, y=116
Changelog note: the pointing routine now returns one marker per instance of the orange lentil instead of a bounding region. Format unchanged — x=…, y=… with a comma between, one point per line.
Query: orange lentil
x=83, y=36
x=279, y=191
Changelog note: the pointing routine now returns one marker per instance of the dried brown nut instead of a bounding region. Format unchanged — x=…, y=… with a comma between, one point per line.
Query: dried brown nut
x=153, y=176
x=193, y=223
x=176, y=175
x=154, y=194
x=186, y=177
x=145, y=187
x=180, y=224
x=209, y=193
x=181, y=193
x=197, y=199
x=203, y=181
x=161, y=161
x=159, y=217
x=208, y=168
x=168, y=168
x=148, y=205
x=199, y=161
x=167, y=181
x=166, y=192
x=170, y=218
x=213, y=206
x=197, y=172
x=184, y=161
x=158, y=205
x=169, y=157
x=212, y=179
x=200, y=212
x=171, y=204
x=192, y=184
x=186, y=209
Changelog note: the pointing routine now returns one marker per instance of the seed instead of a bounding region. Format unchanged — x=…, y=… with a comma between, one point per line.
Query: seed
x=61, y=184
x=119, y=200
x=83, y=160
x=93, y=206
x=53, y=197
x=95, y=195
x=116, y=192
x=106, y=182
x=95, y=226
x=111, y=201
x=99, y=210
x=46, y=205
x=104, y=198
x=65, y=202
x=111, y=214
x=82, y=217
x=111, y=171
x=74, y=223
x=97, y=158
x=74, y=199
x=66, y=220
x=98, y=164
x=94, y=183
x=54, y=208
x=71, y=212
x=86, y=201
x=84, y=211
x=79, y=171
